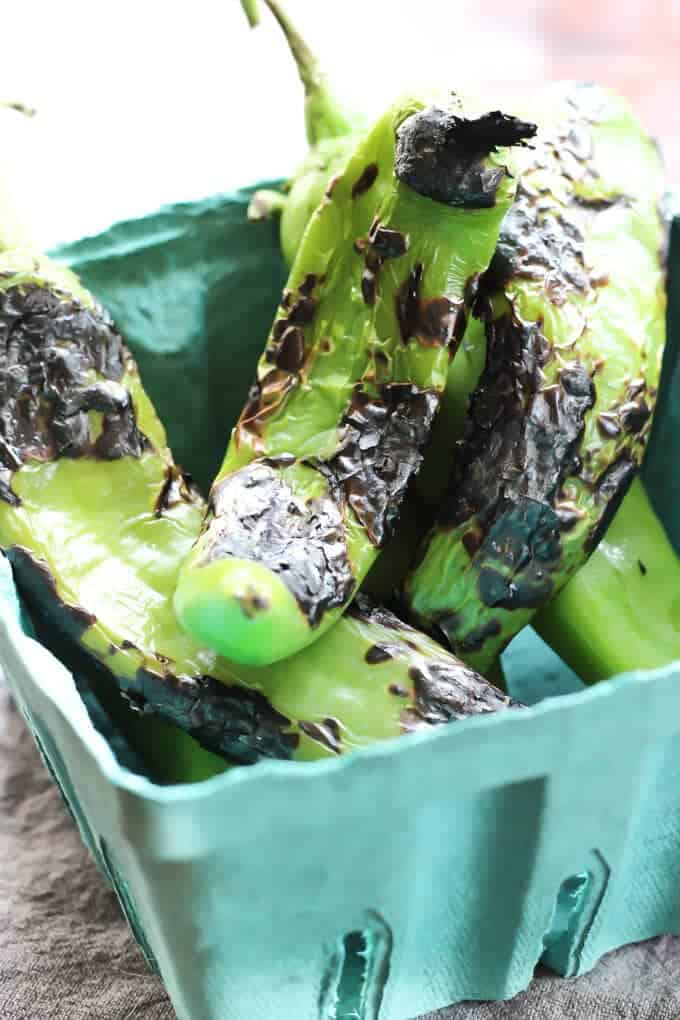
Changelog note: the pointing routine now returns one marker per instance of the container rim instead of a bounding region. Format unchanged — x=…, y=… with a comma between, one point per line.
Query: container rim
x=25, y=657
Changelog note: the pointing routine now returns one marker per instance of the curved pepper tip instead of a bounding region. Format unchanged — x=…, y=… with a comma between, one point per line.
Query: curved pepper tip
x=242, y=610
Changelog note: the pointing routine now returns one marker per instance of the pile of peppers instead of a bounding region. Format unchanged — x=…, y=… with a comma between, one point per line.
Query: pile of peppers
x=440, y=445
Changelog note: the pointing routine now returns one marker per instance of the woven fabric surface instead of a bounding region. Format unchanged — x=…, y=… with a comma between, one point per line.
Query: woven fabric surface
x=66, y=952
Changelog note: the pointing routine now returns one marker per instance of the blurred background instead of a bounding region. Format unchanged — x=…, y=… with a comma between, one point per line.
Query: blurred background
x=142, y=103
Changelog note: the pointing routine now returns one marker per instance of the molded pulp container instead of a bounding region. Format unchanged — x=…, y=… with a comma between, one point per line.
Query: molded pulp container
x=401, y=878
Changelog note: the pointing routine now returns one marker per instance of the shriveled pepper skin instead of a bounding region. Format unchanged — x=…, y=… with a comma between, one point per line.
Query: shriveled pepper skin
x=574, y=310
x=96, y=518
x=349, y=382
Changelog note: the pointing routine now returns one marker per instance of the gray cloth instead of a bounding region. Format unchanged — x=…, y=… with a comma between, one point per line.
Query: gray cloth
x=66, y=953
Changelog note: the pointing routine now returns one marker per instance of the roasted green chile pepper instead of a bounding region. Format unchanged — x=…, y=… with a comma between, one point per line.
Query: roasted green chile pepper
x=332, y=134
x=96, y=518
x=350, y=379
x=573, y=305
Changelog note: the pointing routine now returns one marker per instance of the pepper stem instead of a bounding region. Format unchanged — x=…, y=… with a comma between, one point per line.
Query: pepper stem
x=252, y=12
x=324, y=117
x=28, y=111
x=621, y=611
x=265, y=204
x=15, y=231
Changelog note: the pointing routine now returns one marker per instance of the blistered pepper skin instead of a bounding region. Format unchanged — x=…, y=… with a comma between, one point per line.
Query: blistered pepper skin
x=574, y=318
x=350, y=380
x=96, y=518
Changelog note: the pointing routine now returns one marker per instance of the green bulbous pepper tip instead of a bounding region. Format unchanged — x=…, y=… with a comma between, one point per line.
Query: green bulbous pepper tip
x=242, y=610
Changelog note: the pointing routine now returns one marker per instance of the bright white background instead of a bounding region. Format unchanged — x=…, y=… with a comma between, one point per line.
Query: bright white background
x=149, y=101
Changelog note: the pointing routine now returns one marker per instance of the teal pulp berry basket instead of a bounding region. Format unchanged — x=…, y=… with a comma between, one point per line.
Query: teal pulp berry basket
x=401, y=878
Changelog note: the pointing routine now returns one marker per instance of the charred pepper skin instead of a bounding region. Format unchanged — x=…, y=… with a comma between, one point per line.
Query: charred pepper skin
x=349, y=382
x=574, y=316
x=96, y=518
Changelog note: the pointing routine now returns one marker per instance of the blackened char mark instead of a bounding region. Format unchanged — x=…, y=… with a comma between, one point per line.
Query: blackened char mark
x=120, y=436
x=381, y=244
x=521, y=436
x=634, y=415
x=365, y=180
x=309, y=284
x=9, y=463
x=398, y=690
x=302, y=312
x=326, y=733
x=255, y=515
x=434, y=322
x=369, y=289
x=386, y=243
x=549, y=249
x=608, y=425
x=377, y=654
x=177, y=488
x=265, y=396
x=382, y=444
x=290, y=355
x=443, y=156
x=364, y=609
x=236, y=722
x=608, y=493
x=50, y=347
x=445, y=690
x=37, y=585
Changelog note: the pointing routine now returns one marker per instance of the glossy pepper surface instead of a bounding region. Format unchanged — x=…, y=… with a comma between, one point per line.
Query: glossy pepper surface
x=573, y=305
x=350, y=379
x=96, y=518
